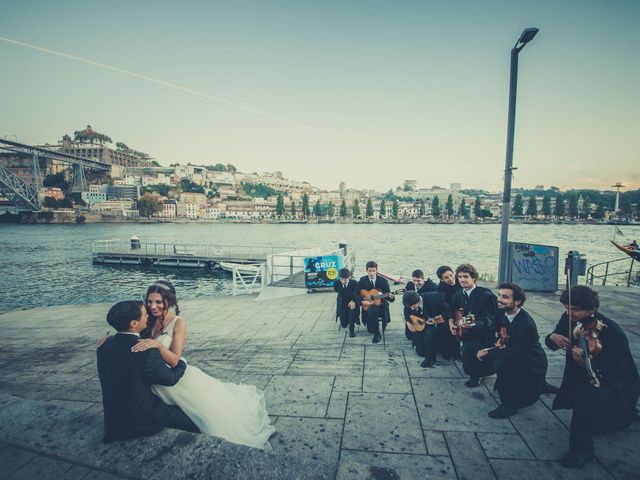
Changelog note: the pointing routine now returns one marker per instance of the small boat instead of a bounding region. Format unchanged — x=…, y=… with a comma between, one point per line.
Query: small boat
x=631, y=250
x=245, y=268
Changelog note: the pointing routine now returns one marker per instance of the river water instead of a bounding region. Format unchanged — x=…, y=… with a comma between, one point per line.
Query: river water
x=51, y=264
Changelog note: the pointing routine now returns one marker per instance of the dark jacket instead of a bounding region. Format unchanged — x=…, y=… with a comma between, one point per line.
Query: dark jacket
x=433, y=304
x=482, y=304
x=449, y=291
x=130, y=408
x=523, y=363
x=427, y=286
x=382, y=285
x=614, y=364
x=346, y=294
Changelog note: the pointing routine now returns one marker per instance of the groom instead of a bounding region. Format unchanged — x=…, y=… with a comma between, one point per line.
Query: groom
x=130, y=408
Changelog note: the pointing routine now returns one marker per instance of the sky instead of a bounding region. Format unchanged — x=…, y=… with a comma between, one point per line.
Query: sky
x=366, y=92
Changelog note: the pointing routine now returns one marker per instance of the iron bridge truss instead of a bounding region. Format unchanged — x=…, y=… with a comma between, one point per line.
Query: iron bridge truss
x=27, y=194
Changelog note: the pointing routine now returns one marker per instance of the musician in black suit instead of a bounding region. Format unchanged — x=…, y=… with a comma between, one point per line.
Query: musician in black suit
x=130, y=408
x=347, y=309
x=372, y=315
x=609, y=407
x=517, y=357
x=420, y=285
x=433, y=338
x=481, y=303
x=449, y=286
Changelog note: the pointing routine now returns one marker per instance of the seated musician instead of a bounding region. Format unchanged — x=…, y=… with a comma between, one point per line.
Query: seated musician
x=346, y=307
x=421, y=286
x=609, y=407
x=373, y=314
x=476, y=305
x=428, y=339
x=517, y=357
x=449, y=286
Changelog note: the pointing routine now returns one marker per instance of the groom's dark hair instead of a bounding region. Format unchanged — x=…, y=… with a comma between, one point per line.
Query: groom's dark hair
x=121, y=314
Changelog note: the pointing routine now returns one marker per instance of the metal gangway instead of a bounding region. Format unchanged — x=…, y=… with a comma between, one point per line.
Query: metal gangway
x=612, y=272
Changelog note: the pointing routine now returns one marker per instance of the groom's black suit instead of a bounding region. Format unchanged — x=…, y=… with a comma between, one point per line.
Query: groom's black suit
x=130, y=408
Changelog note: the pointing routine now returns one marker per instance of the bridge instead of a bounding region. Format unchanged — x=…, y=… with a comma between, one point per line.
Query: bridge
x=25, y=194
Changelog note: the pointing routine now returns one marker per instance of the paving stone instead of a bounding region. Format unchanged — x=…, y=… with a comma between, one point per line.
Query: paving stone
x=317, y=439
x=537, y=470
x=447, y=405
x=504, y=445
x=269, y=363
x=383, y=423
x=327, y=367
x=442, y=369
x=297, y=396
x=386, y=384
x=98, y=475
x=337, y=404
x=12, y=459
x=356, y=465
x=618, y=452
x=468, y=456
x=41, y=467
x=76, y=472
x=259, y=381
x=436, y=444
x=348, y=384
x=545, y=435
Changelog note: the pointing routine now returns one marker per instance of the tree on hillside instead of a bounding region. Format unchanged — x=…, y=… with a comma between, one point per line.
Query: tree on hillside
x=279, y=205
x=599, y=213
x=462, y=209
x=369, y=210
x=436, y=211
x=532, y=207
x=558, y=210
x=305, y=206
x=422, y=210
x=149, y=204
x=518, y=206
x=383, y=209
x=343, y=209
x=546, y=206
x=572, y=205
x=477, y=207
x=395, y=208
x=331, y=210
x=586, y=207
x=316, y=208
x=293, y=209
x=449, y=205
x=356, y=208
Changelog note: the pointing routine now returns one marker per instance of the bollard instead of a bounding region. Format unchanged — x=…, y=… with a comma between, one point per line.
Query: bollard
x=575, y=265
x=135, y=243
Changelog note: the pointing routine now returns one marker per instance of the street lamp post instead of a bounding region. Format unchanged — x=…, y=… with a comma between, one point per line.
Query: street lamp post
x=526, y=37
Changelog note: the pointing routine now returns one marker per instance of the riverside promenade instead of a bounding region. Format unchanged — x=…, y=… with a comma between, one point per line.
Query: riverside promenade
x=343, y=407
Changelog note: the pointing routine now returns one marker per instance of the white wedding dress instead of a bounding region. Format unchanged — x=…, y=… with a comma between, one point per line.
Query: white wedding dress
x=237, y=413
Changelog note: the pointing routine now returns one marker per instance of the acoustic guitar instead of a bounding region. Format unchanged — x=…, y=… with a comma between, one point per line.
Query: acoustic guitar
x=419, y=323
x=376, y=296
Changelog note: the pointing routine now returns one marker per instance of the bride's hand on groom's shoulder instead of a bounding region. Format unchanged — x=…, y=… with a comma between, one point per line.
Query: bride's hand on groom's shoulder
x=145, y=344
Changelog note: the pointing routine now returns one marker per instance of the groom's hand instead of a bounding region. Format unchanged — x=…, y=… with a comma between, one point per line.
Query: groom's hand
x=145, y=344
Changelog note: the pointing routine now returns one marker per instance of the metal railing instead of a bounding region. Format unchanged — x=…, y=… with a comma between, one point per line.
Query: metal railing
x=186, y=249
x=626, y=274
x=248, y=278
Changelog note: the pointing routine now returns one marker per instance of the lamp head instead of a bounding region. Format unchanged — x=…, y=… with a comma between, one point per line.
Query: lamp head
x=527, y=35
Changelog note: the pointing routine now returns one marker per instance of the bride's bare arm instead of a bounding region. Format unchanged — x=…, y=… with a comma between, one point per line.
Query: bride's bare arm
x=171, y=356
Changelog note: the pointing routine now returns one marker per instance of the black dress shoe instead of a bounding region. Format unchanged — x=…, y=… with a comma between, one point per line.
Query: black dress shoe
x=376, y=338
x=352, y=334
x=502, y=412
x=427, y=363
x=472, y=382
x=548, y=388
x=576, y=459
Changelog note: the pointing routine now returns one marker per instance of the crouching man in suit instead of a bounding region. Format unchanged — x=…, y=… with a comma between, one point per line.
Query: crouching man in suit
x=131, y=410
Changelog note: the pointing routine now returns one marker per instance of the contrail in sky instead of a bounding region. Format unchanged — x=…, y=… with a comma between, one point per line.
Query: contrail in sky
x=155, y=80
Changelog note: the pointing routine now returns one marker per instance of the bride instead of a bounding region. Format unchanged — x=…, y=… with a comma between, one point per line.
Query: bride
x=234, y=412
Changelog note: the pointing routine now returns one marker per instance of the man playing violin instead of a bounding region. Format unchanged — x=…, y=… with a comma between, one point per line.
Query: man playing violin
x=373, y=314
x=601, y=389
x=470, y=318
x=425, y=318
x=517, y=356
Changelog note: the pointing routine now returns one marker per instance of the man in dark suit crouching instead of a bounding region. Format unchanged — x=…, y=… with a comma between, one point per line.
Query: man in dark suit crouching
x=130, y=408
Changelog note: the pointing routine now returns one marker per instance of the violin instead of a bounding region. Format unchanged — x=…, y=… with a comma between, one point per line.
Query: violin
x=503, y=338
x=587, y=336
x=463, y=322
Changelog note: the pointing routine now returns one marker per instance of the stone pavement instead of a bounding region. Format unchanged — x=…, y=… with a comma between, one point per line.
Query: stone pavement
x=343, y=407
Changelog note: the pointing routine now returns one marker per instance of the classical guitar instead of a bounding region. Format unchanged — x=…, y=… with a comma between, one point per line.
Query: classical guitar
x=419, y=323
x=463, y=322
x=376, y=296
